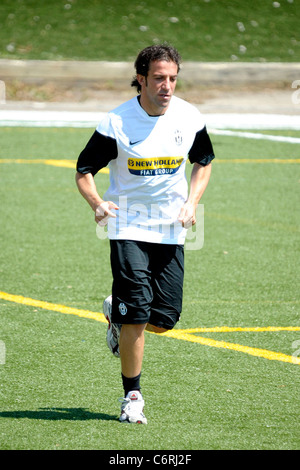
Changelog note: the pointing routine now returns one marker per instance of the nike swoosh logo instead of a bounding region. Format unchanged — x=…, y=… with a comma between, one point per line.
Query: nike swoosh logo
x=135, y=142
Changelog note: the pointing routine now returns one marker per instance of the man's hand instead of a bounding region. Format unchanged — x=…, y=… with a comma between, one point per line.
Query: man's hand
x=103, y=212
x=199, y=180
x=187, y=215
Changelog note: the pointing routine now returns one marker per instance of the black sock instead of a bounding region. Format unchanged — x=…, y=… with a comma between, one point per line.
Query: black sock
x=131, y=383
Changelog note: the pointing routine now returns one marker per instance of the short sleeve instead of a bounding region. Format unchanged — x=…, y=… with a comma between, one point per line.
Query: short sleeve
x=98, y=152
x=202, y=150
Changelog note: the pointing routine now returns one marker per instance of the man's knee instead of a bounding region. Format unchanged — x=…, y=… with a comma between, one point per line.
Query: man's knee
x=155, y=329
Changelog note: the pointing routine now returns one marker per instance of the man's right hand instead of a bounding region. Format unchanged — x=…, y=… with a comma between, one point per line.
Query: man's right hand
x=104, y=211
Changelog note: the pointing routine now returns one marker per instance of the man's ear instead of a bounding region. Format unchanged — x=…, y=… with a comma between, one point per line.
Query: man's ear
x=141, y=79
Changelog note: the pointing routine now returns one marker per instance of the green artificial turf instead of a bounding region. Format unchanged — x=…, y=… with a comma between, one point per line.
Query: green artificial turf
x=59, y=384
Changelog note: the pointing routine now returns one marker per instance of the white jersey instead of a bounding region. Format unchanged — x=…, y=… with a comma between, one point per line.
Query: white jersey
x=147, y=174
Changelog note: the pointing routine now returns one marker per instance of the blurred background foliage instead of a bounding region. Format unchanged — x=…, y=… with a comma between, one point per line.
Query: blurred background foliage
x=115, y=30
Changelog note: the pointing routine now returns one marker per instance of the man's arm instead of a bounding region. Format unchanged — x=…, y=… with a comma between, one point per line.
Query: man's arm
x=87, y=188
x=199, y=180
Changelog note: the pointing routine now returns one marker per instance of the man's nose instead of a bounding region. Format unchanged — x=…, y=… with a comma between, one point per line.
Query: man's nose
x=166, y=83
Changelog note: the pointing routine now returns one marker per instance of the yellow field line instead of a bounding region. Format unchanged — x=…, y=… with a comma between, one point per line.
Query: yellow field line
x=239, y=301
x=52, y=162
x=265, y=353
x=72, y=163
x=19, y=299
x=258, y=160
x=229, y=329
x=185, y=335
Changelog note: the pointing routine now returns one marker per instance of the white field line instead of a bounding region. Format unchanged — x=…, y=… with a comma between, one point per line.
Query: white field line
x=221, y=124
x=258, y=136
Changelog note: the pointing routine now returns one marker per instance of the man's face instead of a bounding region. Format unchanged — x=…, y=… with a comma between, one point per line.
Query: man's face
x=158, y=87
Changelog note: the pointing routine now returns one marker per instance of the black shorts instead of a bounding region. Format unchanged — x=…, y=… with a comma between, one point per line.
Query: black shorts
x=147, y=283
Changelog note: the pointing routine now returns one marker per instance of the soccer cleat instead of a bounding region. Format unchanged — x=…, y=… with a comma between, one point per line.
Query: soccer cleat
x=132, y=408
x=113, y=329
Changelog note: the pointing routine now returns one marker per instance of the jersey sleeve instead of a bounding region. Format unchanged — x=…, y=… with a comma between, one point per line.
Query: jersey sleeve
x=202, y=150
x=99, y=151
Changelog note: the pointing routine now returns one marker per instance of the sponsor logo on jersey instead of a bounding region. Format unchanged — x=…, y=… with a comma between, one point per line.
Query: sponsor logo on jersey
x=154, y=166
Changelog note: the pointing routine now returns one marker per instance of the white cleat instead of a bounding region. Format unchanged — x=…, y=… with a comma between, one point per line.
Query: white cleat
x=132, y=408
x=113, y=330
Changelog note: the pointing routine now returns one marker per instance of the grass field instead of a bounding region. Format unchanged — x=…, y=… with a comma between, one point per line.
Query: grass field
x=203, y=30
x=207, y=387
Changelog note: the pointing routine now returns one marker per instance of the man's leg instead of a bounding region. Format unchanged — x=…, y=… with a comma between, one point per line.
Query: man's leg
x=132, y=297
x=131, y=346
x=156, y=329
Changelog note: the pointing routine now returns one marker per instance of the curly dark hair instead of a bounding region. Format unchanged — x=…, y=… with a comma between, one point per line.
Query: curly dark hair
x=152, y=53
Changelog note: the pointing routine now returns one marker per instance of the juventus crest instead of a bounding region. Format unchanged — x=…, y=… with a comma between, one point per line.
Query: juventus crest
x=178, y=137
